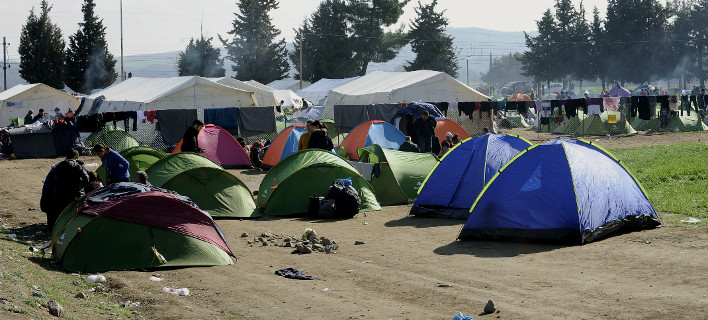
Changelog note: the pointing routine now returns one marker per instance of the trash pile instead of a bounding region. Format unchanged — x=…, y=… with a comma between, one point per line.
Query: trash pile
x=309, y=242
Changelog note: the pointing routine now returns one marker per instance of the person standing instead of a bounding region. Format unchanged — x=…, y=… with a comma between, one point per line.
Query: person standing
x=57, y=114
x=304, y=141
x=29, y=117
x=67, y=181
x=256, y=155
x=701, y=100
x=190, y=141
x=425, y=126
x=116, y=166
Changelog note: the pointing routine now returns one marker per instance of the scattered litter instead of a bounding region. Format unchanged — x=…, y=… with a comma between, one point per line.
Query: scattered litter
x=33, y=249
x=444, y=285
x=356, y=243
x=365, y=223
x=691, y=220
x=12, y=236
x=37, y=294
x=325, y=289
x=292, y=273
x=179, y=292
x=96, y=278
x=128, y=304
x=33, y=209
x=350, y=271
x=92, y=164
x=460, y=316
x=154, y=278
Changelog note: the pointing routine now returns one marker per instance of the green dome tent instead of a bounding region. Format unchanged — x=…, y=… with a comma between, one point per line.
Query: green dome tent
x=131, y=226
x=680, y=123
x=287, y=187
x=140, y=158
x=400, y=173
x=117, y=139
x=211, y=187
x=594, y=124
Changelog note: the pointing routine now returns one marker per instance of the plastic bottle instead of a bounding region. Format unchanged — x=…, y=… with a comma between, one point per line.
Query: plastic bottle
x=179, y=292
x=96, y=278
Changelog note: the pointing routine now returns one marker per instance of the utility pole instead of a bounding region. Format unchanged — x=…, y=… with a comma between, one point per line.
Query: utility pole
x=301, y=58
x=468, y=70
x=122, y=72
x=4, y=64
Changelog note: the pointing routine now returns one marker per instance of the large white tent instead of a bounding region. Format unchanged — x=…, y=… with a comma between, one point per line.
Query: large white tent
x=16, y=101
x=290, y=99
x=264, y=97
x=318, y=91
x=395, y=87
x=287, y=84
x=191, y=92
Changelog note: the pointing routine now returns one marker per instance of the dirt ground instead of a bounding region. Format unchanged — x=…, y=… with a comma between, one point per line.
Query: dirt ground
x=412, y=268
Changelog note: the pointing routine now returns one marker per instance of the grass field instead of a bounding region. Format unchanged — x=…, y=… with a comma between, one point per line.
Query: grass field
x=675, y=177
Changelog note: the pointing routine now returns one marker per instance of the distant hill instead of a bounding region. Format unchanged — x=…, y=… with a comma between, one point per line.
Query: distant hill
x=474, y=46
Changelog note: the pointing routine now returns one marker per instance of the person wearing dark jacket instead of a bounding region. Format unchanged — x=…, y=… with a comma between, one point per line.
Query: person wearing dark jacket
x=116, y=166
x=425, y=129
x=190, y=141
x=67, y=181
x=256, y=155
x=408, y=146
x=319, y=138
x=406, y=125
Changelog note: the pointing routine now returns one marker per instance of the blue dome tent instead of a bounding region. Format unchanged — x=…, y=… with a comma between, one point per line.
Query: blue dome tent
x=563, y=191
x=454, y=183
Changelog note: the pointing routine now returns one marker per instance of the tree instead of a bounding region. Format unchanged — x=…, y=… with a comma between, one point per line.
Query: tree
x=428, y=40
x=540, y=59
x=699, y=39
x=89, y=65
x=370, y=42
x=682, y=51
x=504, y=69
x=200, y=58
x=41, y=50
x=327, y=51
x=252, y=50
x=597, y=47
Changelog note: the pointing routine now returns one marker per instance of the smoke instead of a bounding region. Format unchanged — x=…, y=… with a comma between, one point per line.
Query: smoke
x=95, y=74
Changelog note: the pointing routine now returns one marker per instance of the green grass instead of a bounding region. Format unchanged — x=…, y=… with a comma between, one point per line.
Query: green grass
x=675, y=177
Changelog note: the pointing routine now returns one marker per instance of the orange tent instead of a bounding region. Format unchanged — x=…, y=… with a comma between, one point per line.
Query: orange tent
x=520, y=97
x=446, y=125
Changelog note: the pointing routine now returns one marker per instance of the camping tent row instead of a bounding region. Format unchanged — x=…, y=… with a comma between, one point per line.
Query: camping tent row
x=565, y=190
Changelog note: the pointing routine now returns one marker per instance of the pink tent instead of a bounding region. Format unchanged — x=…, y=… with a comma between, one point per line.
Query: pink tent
x=221, y=147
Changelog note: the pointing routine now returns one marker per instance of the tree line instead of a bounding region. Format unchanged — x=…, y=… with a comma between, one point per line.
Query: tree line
x=340, y=39
x=638, y=41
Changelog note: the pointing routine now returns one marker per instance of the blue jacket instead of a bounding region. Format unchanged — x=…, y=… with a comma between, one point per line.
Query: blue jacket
x=116, y=167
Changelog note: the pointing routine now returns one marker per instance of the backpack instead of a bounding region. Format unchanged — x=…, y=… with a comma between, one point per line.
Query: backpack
x=346, y=200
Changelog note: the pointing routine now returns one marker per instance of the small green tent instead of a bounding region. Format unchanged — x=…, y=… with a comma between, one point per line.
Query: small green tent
x=677, y=123
x=400, y=173
x=212, y=188
x=594, y=125
x=287, y=187
x=140, y=158
x=131, y=226
x=117, y=139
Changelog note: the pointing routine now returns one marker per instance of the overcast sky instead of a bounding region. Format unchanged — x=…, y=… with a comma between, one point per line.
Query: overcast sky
x=154, y=26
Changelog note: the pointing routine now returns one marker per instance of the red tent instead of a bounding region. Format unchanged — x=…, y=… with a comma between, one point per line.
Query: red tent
x=221, y=147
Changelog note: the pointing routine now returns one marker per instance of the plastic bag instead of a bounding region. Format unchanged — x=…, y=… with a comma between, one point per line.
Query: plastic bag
x=459, y=316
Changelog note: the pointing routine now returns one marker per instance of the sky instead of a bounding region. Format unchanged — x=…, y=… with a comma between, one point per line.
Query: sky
x=155, y=26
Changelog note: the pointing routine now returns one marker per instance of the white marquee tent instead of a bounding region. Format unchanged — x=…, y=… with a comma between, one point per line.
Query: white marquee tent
x=318, y=91
x=264, y=97
x=287, y=84
x=16, y=101
x=191, y=92
x=290, y=99
x=395, y=87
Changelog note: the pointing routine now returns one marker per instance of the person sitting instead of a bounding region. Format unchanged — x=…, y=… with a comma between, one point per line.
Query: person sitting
x=190, y=141
x=445, y=147
x=256, y=155
x=456, y=139
x=141, y=177
x=95, y=181
x=448, y=138
x=116, y=166
x=408, y=145
x=67, y=181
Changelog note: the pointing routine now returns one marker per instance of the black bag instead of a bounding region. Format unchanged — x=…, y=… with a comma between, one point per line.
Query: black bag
x=346, y=200
x=314, y=208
